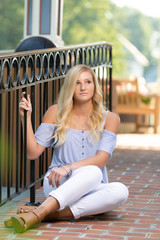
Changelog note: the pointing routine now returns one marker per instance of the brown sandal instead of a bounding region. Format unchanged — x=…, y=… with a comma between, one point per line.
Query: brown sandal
x=21, y=209
x=23, y=221
x=24, y=209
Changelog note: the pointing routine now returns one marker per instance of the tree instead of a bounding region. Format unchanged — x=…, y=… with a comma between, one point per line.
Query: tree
x=138, y=29
x=91, y=21
x=11, y=27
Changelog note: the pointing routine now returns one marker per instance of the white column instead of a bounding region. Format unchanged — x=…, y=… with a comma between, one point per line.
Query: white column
x=54, y=22
x=54, y=14
x=61, y=17
x=35, y=17
x=25, y=19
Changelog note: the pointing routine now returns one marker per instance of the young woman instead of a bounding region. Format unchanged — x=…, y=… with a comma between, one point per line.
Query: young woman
x=83, y=136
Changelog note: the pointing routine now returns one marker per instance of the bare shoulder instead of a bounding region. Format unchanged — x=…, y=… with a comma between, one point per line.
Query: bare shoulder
x=50, y=115
x=112, y=122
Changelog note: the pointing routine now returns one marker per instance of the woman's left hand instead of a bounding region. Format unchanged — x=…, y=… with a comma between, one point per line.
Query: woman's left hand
x=55, y=176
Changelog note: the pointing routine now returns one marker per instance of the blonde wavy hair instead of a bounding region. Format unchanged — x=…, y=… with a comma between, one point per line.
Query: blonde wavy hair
x=65, y=105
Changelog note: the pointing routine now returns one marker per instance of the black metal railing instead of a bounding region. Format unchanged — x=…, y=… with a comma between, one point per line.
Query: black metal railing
x=39, y=73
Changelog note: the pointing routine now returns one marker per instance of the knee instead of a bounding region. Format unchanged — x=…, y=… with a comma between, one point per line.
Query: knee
x=93, y=173
x=122, y=192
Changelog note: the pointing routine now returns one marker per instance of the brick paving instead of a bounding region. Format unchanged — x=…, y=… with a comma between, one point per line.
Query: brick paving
x=137, y=166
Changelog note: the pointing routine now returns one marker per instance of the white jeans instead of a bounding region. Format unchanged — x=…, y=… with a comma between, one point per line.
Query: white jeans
x=85, y=194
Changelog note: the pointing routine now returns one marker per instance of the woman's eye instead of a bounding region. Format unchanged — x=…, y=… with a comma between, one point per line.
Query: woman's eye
x=77, y=83
x=88, y=82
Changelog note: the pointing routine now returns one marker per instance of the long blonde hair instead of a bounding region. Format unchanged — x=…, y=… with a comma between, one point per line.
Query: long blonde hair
x=65, y=105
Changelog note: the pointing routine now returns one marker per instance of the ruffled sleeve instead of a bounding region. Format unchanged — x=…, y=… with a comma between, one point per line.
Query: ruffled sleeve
x=107, y=141
x=44, y=134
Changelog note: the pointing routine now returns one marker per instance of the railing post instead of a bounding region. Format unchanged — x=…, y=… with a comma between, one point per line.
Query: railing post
x=17, y=141
x=32, y=162
x=0, y=148
x=9, y=146
x=44, y=109
x=25, y=147
x=110, y=79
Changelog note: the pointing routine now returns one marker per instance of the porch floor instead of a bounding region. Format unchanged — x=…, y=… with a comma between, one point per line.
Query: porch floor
x=136, y=163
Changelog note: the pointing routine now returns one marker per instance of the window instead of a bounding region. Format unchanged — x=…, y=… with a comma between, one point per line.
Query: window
x=45, y=16
x=29, y=18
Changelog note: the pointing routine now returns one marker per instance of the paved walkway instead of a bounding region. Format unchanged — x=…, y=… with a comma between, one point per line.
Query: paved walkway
x=136, y=164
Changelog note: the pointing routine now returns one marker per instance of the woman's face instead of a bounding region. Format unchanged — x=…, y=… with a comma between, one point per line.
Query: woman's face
x=84, y=89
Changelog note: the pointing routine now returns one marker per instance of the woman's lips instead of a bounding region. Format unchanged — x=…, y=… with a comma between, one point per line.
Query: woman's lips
x=83, y=93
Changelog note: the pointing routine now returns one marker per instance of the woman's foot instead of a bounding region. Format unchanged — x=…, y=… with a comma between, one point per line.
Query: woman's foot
x=21, y=209
x=24, y=209
x=23, y=221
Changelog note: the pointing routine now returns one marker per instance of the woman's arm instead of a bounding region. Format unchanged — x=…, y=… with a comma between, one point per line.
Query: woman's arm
x=34, y=150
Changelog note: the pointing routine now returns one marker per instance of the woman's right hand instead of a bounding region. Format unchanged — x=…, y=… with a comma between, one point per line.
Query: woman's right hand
x=55, y=176
x=25, y=104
